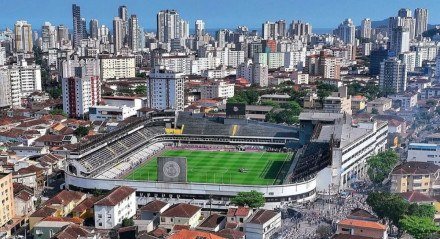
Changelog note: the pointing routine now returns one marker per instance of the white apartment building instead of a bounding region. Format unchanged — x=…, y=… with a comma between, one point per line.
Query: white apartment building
x=262, y=224
x=256, y=73
x=79, y=94
x=204, y=63
x=300, y=78
x=119, y=204
x=406, y=101
x=80, y=67
x=2, y=55
x=165, y=89
x=217, y=89
x=420, y=152
x=176, y=63
x=294, y=60
x=23, y=80
x=275, y=60
x=118, y=67
x=108, y=112
x=354, y=145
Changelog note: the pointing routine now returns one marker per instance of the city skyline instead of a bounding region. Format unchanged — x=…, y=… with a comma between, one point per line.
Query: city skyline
x=242, y=13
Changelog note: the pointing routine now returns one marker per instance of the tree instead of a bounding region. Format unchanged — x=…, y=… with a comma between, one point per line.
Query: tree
x=325, y=90
x=57, y=112
x=422, y=210
x=81, y=131
x=419, y=227
x=387, y=205
x=141, y=90
x=380, y=165
x=251, y=199
x=249, y=97
x=272, y=103
x=374, y=111
x=127, y=222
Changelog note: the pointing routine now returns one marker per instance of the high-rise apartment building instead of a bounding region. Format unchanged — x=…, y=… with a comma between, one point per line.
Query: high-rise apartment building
x=79, y=94
x=23, y=80
x=93, y=25
x=366, y=28
x=298, y=28
x=62, y=33
x=77, y=25
x=393, y=76
x=255, y=73
x=133, y=34
x=23, y=36
x=269, y=30
x=168, y=25
x=165, y=89
x=117, y=67
x=281, y=27
x=118, y=34
x=200, y=28
x=400, y=39
x=346, y=32
x=48, y=36
x=404, y=12
x=421, y=16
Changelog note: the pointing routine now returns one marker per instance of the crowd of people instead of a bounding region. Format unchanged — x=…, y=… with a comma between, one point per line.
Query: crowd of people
x=325, y=212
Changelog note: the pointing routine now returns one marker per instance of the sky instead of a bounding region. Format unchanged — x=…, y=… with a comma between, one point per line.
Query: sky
x=215, y=13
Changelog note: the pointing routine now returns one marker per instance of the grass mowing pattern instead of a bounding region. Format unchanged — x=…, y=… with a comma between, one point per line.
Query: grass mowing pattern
x=221, y=167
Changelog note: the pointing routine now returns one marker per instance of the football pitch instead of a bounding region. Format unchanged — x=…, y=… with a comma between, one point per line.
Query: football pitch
x=221, y=167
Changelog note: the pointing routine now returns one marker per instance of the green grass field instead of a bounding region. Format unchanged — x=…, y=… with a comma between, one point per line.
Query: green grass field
x=262, y=168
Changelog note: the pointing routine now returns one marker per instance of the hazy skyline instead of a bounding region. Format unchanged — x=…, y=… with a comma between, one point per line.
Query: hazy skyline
x=227, y=14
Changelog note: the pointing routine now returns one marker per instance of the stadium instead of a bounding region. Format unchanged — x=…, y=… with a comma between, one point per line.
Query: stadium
x=189, y=156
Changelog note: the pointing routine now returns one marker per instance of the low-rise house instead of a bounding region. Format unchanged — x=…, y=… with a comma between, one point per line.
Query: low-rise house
x=65, y=201
x=118, y=204
x=180, y=214
x=84, y=209
x=193, y=234
x=417, y=197
x=358, y=103
x=40, y=214
x=47, y=229
x=28, y=151
x=238, y=216
x=24, y=201
x=362, y=229
x=31, y=176
x=73, y=231
x=231, y=234
x=379, y=105
x=152, y=211
x=55, y=140
x=213, y=223
x=262, y=224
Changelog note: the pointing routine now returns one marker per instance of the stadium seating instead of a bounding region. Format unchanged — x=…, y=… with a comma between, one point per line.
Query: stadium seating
x=315, y=157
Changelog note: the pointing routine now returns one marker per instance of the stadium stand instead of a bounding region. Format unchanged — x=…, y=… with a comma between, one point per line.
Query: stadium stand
x=310, y=160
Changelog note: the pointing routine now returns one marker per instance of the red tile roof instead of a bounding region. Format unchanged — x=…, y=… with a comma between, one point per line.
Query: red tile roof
x=362, y=224
x=231, y=234
x=194, y=234
x=115, y=196
x=64, y=198
x=154, y=206
x=76, y=220
x=181, y=210
x=414, y=196
x=44, y=212
x=416, y=168
x=238, y=212
x=262, y=216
